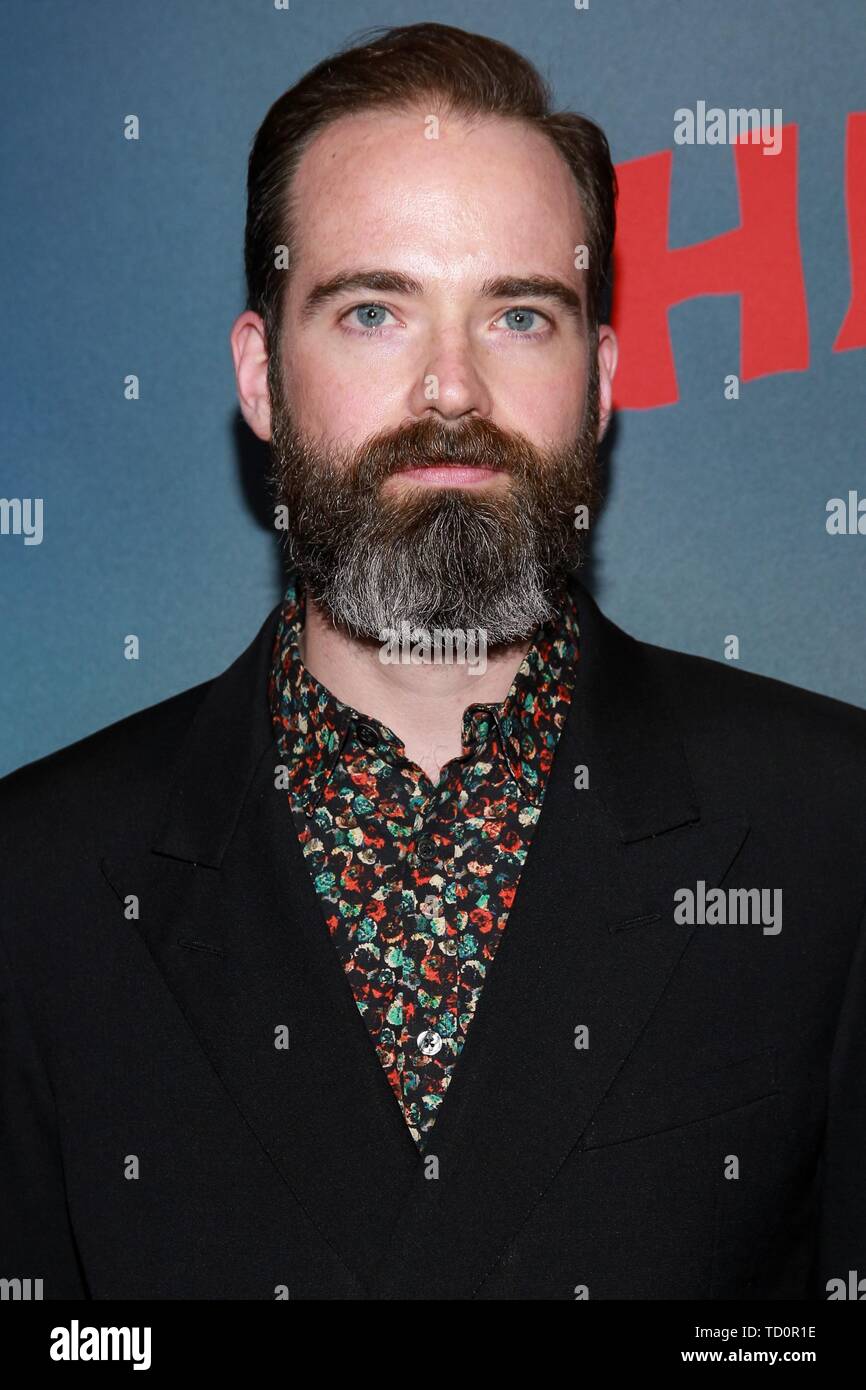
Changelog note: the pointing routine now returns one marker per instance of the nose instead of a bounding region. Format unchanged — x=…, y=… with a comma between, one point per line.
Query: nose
x=450, y=383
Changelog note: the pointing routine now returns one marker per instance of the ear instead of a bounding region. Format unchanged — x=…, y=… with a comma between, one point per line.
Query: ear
x=608, y=352
x=249, y=351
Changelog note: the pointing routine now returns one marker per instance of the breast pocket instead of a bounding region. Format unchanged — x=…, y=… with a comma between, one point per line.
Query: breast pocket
x=632, y=1110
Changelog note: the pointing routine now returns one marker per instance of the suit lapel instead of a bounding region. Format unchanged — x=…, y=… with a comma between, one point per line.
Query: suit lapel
x=590, y=942
x=231, y=917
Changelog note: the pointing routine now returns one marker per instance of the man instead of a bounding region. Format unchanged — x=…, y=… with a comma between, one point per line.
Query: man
x=451, y=944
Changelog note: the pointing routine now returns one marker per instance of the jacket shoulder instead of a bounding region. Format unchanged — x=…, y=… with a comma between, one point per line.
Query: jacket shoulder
x=120, y=772
x=720, y=704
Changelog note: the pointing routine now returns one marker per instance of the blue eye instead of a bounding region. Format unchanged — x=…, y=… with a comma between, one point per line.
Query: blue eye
x=520, y=320
x=370, y=315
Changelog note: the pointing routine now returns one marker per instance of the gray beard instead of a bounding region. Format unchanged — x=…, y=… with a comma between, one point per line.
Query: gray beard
x=446, y=558
x=455, y=574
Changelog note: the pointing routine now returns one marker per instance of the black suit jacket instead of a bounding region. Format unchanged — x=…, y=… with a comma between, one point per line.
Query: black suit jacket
x=708, y=1143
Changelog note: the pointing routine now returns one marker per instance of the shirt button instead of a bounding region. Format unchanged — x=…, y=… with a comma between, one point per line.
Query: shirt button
x=429, y=1042
x=367, y=735
x=427, y=850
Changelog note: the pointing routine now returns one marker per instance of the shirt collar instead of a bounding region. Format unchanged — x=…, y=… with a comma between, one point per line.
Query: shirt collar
x=312, y=725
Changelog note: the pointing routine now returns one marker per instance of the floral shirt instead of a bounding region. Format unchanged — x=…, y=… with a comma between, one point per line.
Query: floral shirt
x=416, y=879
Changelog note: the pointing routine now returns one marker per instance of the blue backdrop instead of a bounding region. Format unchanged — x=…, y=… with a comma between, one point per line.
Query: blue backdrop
x=122, y=257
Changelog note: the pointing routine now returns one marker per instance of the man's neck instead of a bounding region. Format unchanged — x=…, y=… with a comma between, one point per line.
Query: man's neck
x=423, y=704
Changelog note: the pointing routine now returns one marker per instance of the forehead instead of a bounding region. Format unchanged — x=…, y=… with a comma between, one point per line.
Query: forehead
x=487, y=193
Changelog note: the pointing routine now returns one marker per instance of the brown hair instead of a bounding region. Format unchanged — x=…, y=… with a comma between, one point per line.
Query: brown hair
x=470, y=75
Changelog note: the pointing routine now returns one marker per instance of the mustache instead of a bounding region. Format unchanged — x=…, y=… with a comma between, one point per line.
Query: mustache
x=428, y=443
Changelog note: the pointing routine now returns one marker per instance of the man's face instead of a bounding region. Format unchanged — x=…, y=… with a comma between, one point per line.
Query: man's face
x=435, y=408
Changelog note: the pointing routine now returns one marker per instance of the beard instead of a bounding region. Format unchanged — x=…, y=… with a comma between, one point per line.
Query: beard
x=489, y=558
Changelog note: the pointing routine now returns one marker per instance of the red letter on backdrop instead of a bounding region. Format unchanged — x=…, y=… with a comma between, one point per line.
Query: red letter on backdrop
x=759, y=260
x=852, y=334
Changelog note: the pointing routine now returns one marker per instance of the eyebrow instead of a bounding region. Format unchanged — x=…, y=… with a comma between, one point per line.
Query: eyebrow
x=393, y=282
